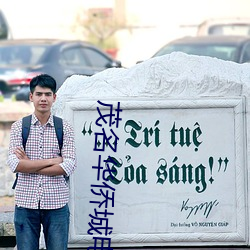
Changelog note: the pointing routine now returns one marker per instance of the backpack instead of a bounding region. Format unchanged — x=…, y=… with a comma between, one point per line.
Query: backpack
x=26, y=122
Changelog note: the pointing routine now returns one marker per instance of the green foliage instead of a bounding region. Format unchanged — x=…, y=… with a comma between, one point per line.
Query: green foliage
x=1, y=96
x=108, y=43
x=13, y=98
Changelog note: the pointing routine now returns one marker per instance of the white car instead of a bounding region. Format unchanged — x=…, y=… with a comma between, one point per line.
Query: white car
x=225, y=26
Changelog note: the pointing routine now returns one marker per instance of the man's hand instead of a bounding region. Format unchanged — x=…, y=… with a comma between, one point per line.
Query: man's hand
x=20, y=153
x=57, y=160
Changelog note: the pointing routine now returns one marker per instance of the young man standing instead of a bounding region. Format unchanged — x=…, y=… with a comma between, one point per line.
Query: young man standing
x=42, y=192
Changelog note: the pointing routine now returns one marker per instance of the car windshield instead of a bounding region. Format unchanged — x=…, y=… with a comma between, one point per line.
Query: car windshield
x=21, y=54
x=223, y=52
x=230, y=29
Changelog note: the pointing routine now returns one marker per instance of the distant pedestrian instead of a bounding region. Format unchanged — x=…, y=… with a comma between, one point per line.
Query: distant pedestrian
x=42, y=192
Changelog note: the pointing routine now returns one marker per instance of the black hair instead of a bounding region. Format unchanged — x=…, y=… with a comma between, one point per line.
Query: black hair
x=44, y=81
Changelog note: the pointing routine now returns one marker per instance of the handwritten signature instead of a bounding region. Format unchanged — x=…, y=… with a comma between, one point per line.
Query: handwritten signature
x=204, y=207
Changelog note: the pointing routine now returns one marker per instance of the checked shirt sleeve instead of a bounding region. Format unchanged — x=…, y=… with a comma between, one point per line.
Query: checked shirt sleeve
x=15, y=141
x=68, y=149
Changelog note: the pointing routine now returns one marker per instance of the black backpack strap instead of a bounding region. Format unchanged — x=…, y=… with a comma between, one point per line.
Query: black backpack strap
x=58, y=123
x=26, y=122
x=26, y=129
x=15, y=182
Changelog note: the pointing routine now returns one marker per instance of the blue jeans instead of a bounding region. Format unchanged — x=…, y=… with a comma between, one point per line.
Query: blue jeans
x=55, y=228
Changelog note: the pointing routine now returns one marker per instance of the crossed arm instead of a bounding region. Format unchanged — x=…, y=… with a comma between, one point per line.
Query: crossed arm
x=44, y=166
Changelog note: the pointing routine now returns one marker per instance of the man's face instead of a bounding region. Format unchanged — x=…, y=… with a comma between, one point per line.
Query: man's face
x=43, y=98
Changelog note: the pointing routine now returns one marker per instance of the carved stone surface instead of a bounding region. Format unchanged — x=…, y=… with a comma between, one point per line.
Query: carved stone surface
x=176, y=75
x=173, y=89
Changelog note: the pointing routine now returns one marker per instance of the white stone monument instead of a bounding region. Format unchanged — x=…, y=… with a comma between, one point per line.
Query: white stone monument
x=171, y=168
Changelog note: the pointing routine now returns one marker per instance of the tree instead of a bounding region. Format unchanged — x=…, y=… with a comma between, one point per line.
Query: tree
x=99, y=26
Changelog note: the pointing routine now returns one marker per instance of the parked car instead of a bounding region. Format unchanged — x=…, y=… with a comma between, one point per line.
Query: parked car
x=5, y=32
x=229, y=48
x=22, y=59
x=225, y=26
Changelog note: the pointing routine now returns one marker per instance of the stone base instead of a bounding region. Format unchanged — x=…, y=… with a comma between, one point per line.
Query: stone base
x=7, y=230
x=7, y=241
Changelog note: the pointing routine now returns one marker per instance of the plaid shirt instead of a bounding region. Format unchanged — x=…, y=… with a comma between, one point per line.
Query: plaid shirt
x=32, y=190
